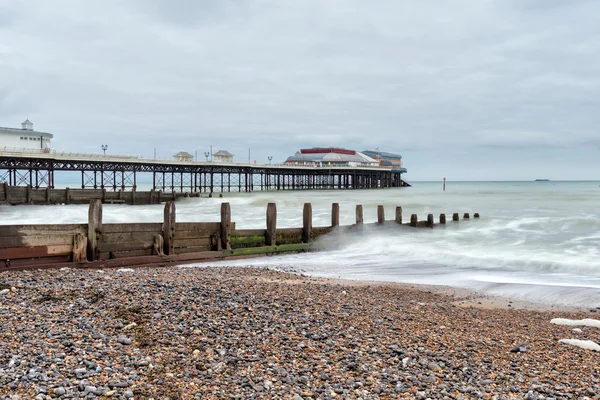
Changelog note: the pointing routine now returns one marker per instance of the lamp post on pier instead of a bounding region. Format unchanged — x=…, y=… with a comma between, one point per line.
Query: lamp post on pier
x=206, y=154
x=104, y=148
x=270, y=158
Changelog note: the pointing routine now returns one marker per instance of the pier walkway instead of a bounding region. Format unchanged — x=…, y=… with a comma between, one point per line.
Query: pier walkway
x=38, y=169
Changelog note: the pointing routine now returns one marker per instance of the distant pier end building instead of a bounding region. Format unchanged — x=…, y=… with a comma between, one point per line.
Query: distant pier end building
x=24, y=139
x=331, y=156
x=386, y=159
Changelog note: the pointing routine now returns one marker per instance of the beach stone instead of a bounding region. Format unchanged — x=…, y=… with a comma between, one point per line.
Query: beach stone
x=4, y=291
x=59, y=391
x=128, y=394
x=124, y=340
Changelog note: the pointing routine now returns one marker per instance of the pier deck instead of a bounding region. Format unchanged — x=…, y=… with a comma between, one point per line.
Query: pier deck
x=39, y=169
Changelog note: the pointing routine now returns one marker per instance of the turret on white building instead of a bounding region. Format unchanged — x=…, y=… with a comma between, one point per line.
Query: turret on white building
x=15, y=139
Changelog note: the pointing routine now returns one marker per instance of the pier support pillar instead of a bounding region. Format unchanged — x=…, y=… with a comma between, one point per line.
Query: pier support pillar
x=442, y=219
x=466, y=216
x=430, y=220
x=455, y=217
x=271, y=233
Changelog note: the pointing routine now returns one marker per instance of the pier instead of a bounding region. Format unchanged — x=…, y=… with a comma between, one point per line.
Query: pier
x=96, y=244
x=41, y=168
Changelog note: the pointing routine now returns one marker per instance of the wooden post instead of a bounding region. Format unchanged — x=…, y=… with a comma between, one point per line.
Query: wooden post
x=29, y=201
x=430, y=220
x=380, y=214
x=174, y=196
x=47, y=195
x=359, y=214
x=307, y=223
x=271, y=233
x=455, y=217
x=67, y=196
x=103, y=195
x=158, y=249
x=133, y=196
x=169, y=228
x=466, y=216
x=225, y=226
x=94, y=236
x=442, y=218
x=335, y=214
x=151, y=196
x=476, y=215
x=79, y=248
x=5, y=186
x=414, y=220
x=399, y=215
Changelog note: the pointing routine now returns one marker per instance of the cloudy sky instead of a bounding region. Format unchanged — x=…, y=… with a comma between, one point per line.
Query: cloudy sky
x=468, y=89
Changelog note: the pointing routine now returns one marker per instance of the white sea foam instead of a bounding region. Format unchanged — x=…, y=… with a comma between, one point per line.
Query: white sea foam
x=584, y=344
x=594, y=323
x=125, y=270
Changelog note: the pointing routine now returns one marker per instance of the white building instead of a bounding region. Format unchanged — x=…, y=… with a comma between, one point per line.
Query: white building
x=15, y=139
x=223, y=156
x=183, y=156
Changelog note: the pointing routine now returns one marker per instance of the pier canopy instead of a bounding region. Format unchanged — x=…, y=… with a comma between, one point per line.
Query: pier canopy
x=322, y=156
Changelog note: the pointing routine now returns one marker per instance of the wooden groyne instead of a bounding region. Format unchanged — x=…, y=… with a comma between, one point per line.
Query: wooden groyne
x=17, y=195
x=97, y=244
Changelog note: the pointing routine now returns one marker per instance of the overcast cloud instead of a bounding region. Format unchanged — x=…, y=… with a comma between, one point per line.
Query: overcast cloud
x=468, y=89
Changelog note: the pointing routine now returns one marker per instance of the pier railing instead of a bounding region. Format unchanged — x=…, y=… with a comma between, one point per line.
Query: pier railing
x=97, y=244
x=75, y=156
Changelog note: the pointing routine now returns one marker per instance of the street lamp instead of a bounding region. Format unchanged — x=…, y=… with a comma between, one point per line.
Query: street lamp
x=270, y=158
x=104, y=147
x=206, y=154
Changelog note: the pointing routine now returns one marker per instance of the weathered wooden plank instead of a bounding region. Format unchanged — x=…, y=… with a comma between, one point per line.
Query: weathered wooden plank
x=169, y=227
x=94, y=229
x=192, y=242
x=38, y=230
x=380, y=214
x=79, y=248
x=34, y=252
x=155, y=227
x=128, y=246
x=194, y=249
x=128, y=236
x=197, y=226
x=306, y=222
x=34, y=241
x=359, y=214
x=335, y=214
x=271, y=232
x=247, y=232
x=125, y=254
x=226, y=226
x=42, y=261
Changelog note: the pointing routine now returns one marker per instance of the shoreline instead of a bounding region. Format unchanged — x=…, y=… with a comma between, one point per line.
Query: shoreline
x=219, y=332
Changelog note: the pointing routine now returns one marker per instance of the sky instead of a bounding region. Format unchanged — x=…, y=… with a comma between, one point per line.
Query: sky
x=463, y=89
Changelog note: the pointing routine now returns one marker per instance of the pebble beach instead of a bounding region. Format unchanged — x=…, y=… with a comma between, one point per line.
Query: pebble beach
x=243, y=333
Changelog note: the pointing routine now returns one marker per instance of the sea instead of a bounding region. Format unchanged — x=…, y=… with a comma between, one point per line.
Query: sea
x=535, y=241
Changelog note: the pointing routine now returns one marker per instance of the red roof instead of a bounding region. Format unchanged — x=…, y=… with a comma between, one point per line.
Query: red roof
x=319, y=150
